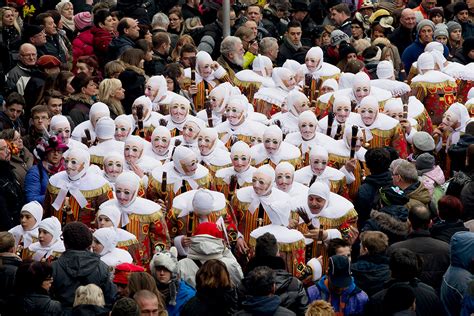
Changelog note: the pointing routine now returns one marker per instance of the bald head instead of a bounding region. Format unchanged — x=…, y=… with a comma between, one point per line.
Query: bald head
x=28, y=54
x=408, y=19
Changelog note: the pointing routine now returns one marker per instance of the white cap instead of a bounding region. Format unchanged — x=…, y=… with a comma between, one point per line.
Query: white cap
x=105, y=128
x=385, y=69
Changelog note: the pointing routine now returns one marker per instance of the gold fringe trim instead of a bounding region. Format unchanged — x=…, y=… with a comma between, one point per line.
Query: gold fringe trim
x=335, y=222
x=296, y=245
x=148, y=218
x=127, y=243
x=384, y=134
x=87, y=193
x=97, y=160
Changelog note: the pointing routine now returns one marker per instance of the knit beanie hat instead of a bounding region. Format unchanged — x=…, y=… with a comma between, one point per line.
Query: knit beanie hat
x=423, y=141
x=82, y=20
x=452, y=26
x=346, y=49
x=441, y=30
x=459, y=6
x=424, y=163
x=166, y=259
x=338, y=36
x=77, y=236
x=423, y=23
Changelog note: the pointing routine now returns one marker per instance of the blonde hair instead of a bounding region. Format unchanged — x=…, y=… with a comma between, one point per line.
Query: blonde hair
x=15, y=22
x=113, y=68
x=108, y=87
x=89, y=294
x=319, y=308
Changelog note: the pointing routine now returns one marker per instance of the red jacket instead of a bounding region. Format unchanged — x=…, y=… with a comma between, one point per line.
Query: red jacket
x=101, y=41
x=82, y=45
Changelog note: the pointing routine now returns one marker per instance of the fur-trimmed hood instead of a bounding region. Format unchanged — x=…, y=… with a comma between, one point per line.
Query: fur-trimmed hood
x=390, y=223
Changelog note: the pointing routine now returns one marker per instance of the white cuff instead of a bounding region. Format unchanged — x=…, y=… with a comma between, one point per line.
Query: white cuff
x=220, y=72
x=317, y=269
x=349, y=175
x=333, y=233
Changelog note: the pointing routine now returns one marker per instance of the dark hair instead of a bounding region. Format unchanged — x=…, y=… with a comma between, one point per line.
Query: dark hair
x=144, y=28
x=342, y=8
x=293, y=23
x=335, y=244
x=470, y=128
x=100, y=16
x=125, y=307
x=132, y=56
x=419, y=217
x=80, y=81
x=77, y=236
x=187, y=48
x=173, y=71
x=398, y=297
x=470, y=157
x=260, y=281
x=377, y=160
x=213, y=274
x=61, y=81
x=144, y=45
x=160, y=38
x=122, y=25
x=90, y=61
x=14, y=98
x=55, y=15
x=142, y=281
x=8, y=134
x=392, y=152
x=40, y=108
x=267, y=246
x=450, y=208
x=42, y=16
x=405, y=265
x=52, y=94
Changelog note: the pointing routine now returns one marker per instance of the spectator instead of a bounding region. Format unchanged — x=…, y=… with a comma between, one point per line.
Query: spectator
x=176, y=21
x=268, y=46
x=457, y=277
x=10, y=41
x=399, y=300
x=338, y=286
x=378, y=162
x=461, y=15
x=331, y=51
x=424, y=8
x=103, y=32
x=434, y=252
x=424, y=31
x=455, y=39
x=341, y=16
x=133, y=77
x=405, y=33
x=405, y=266
x=89, y=300
x=340, y=247
x=250, y=45
x=78, y=105
x=319, y=308
x=23, y=69
x=465, y=55
x=125, y=307
x=264, y=27
x=431, y=175
x=232, y=55
x=290, y=290
x=12, y=110
x=405, y=176
x=21, y=158
x=41, y=119
x=161, y=54
x=122, y=274
x=79, y=266
x=111, y=92
x=55, y=44
x=208, y=243
x=11, y=194
x=34, y=35
x=164, y=268
x=215, y=294
x=82, y=45
x=261, y=300
x=160, y=24
x=35, y=282
x=9, y=262
x=450, y=210
x=148, y=303
x=190, y=9
x=66, y=9
x=292, y=48
x=212, y=35
x=54, y=102
x=371, y=269
x=300, y=13
x=128, y=33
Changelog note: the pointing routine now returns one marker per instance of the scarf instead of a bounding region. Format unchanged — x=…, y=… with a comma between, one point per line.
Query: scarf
x=169, y=291
x=52, y=169
x=68, y=23
x=295, y=47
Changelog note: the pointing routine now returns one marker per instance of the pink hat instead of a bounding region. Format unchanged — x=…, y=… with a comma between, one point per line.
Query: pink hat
x=82, y=20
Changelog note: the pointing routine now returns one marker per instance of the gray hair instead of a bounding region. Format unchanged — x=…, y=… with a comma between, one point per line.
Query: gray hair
x=406, y=170
x=160, y=19
x=229, y=44
x=266, y=44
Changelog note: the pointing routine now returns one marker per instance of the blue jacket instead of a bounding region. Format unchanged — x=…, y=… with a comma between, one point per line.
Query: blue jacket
x=412, y=52
x=354, y=298
x=185, y=293
x=458, y=275
x=33, y=191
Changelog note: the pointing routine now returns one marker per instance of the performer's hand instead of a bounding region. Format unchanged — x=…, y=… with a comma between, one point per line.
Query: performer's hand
x=437, y=133
x=138, y=171
x=241, y=246
x=185, y=241
x=406, y=126
x=162, y=204
x=351, y=165
x=193, y=89
x=214, y=65
x=314, y=234
x=293, y=223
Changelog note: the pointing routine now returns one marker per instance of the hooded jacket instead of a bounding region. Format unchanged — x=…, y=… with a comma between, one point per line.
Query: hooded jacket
x=75, y=268
x=263, y=306
x=203, y=248
x=457, y=152
x=459, y=274
x=211, y=302
x=417, y=193
x=370, y=272
x=433, y=178
x=390, y=220
x=444, y=230
x=40, y=304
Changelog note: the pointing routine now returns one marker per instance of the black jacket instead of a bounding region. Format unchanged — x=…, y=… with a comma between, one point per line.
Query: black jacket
x=287, y=51
x=467, y=199
x=371, y=272
x=75, y=268
x=263, y=306
x=210, y=302
x=11, y=197
x=427, y=302
x=134, y=82
x=9, y=263
x=211, y=40
x=434, y=252
x=118, y=45
x=41, y=304
x=290, y=290
x=53, y=47
x=457, y=152
x=445, y=230
x=364, y=202
x=87, y=309
x=402, y=37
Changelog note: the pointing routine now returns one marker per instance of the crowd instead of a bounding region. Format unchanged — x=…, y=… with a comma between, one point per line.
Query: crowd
x=317, y=161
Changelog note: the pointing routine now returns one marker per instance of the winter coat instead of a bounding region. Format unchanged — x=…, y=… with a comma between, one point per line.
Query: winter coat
x=212, y=36
x=402, y=37
x=118, y=45
x=457, y=152
x=83, y=45
x=75, y=268
x=467, y=199
x=54, y=46
x=211, y=302
x=459, y=273
x=77, y=106
x=413, y=51
x=427, y=301
x=370, y=272
x=9, y=263
x=445, y=230
x=133, y=79
x=390, y=220
x=290, y=290
x=41, y=304
x=364, y=201
x=36, y=175
x=87, y=309
x=287, y=51
x=434, y=252
x=185, y=293
x=22, y=163
x=203, y=248
x=6, y=123
x=11, y=197
x=354, y=298
x=100, y=42
x=417, y=193
x=263, y=306
x=433, y=178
